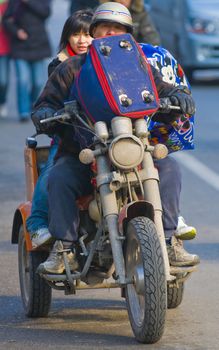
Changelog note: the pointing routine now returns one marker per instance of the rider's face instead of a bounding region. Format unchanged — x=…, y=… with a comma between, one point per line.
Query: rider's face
x=79, y=42
x=108, y=28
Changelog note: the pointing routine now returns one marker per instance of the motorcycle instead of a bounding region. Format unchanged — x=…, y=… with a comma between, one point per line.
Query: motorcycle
x=121, y=237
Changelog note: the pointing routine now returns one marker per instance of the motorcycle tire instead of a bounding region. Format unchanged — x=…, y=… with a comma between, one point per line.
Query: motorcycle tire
x=175, y=295
x=36, y=294
x=147, y=305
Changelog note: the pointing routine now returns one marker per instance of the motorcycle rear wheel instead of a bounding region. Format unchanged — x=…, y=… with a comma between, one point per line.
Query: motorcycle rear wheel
x=175, y=295
x=147, y=306
x=35, y=292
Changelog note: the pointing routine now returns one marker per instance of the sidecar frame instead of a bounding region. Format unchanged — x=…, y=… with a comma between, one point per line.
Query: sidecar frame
x=34, y=159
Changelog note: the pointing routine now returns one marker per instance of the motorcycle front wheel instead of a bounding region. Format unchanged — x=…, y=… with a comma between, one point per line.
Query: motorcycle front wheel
x=146, y=297
x=35, y=292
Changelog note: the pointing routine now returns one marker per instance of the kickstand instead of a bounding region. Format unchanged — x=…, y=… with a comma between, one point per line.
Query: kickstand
x=69, y=286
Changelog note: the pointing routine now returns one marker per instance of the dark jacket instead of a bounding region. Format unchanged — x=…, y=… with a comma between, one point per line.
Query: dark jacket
x=52, y=65
x=82, y=4
x=144, y=29
x=61, y=57
x=31, y=17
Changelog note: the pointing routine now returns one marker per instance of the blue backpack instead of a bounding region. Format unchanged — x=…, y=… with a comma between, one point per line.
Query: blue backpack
x=116, y=79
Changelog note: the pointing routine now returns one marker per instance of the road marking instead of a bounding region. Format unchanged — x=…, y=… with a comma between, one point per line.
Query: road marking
x=200, y=169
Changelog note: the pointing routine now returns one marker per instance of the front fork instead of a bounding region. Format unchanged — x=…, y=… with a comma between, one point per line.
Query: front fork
x=110, y=213
x=152, y=195
x=110, y=210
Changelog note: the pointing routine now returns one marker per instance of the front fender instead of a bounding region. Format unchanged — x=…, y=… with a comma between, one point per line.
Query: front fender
x=132, y=210
x=20, y=217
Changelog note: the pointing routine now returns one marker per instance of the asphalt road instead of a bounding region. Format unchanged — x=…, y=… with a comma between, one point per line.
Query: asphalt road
x=98, y=319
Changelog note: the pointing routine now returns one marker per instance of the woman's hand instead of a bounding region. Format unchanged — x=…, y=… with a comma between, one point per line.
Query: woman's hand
x=21, y=34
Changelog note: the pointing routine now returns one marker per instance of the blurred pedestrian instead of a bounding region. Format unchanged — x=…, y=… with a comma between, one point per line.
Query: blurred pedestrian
x=144, y=30
x=76, y=5
x=25, y=20
x=4, y=61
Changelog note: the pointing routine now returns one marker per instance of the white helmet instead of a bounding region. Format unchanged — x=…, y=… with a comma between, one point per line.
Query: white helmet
x=112, y=12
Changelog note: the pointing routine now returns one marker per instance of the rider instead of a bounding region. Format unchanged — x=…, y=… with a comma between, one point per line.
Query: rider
x=75, y=40
x=69, y=179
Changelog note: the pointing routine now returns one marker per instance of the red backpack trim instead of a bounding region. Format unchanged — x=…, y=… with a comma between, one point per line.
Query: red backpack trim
x=107, y=90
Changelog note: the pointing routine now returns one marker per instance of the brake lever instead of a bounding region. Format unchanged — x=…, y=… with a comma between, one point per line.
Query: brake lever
x=166, y=106
x=60, y=117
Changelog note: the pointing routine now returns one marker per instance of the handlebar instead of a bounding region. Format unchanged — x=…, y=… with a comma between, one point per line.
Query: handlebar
x=71, y=109
x=166, y=106
x=61, y=117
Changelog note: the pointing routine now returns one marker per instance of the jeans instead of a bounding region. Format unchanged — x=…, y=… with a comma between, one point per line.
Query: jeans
x=30, y=80
x=4, y=78
x=39, y=211
x=69, y=179
x=170, y=188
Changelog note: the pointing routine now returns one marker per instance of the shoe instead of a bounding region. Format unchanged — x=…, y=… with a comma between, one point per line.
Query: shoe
x=183, y=231
x=55, y=262
x=41, y=237
x=178, y=256
x=3, y=111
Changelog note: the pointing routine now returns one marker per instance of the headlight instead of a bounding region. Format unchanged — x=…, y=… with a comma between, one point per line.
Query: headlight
x=202, y=26
x=126, y=151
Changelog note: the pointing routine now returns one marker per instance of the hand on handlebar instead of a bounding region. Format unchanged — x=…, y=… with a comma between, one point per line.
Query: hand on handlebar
x=184, y=101
x=179, y=102
x=41, y=114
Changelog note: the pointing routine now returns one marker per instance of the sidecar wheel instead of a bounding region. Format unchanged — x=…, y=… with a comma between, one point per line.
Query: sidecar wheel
x=146, y=297
x=175, y=295
x=35, y=292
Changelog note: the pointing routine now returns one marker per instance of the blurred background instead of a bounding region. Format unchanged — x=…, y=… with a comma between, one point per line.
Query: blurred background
x=189, y=29
x=92, y=320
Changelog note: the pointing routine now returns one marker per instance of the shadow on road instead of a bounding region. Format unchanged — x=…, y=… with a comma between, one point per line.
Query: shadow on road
x=68, y=304
x=71, y=321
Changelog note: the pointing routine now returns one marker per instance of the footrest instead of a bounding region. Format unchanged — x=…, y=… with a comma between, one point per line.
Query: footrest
x=175, y=270
x=60, y=277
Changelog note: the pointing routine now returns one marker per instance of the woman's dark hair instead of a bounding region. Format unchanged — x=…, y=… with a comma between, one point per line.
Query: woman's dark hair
x=77, y=22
